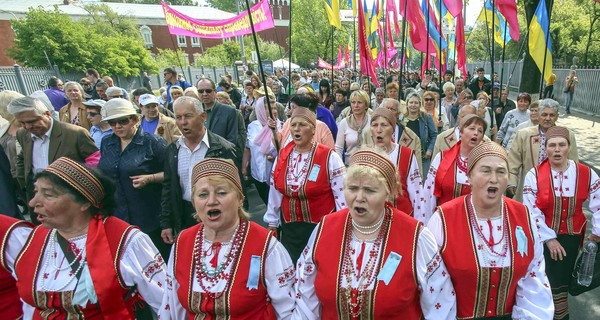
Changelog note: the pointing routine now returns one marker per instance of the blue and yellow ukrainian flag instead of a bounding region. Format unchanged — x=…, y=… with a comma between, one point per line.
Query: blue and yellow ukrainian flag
x=501, y=28
x=434, y=33
x=332, y=7
x=538, y=47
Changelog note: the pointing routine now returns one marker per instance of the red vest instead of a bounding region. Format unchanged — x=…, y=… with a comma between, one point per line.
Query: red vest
x=398, y=300
x=103, y=258
x=314, y=199
x=483, y=291
x=563, y=214
x=446, y=187
x=237, y=302
x=402, y=202
x=10, y=304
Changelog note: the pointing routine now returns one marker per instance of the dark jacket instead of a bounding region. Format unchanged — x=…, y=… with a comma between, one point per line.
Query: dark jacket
x=172, y=214
x=8, y=205
x=427, y=133
x=145, y=154
x=223, y=120
x=474, y=86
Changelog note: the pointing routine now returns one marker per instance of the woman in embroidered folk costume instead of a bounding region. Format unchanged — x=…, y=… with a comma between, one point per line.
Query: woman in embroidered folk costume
x=408, y=200
x=372, y=261
x=447, y=177
x=306, y=184
x=226, y=267
x=491, y=246
x=81, y=262
x=555, y=192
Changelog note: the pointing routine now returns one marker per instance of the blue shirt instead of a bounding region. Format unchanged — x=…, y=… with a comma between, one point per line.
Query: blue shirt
x=98, y=134
x=56, y=97
x=149, y=126
x=323, y=114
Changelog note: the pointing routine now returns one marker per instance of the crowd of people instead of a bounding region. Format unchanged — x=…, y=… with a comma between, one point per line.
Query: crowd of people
x=401, y=197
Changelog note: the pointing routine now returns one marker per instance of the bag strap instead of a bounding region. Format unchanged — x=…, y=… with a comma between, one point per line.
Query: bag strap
x=68, y=252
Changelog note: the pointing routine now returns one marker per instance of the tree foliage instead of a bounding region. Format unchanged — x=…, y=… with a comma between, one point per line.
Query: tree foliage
x=107, y=42
x=227, y=5
x=171, y=2
x=167, y=58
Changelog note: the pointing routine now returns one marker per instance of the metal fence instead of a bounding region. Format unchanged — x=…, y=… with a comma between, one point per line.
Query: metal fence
x=193, y=74
x=586, y=97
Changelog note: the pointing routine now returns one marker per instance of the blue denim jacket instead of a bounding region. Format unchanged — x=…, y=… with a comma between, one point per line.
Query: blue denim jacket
x=427, y=133
x=144, y=155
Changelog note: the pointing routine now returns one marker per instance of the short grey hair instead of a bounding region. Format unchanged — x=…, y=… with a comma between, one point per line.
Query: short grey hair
x=102, y=84
x=112, y=90
x=548, y=103
x=25, y=104
x=195, y=102
x=413, y=95
x=391, y=101
x=448, y=85
x=6, y=97
x=74, y=83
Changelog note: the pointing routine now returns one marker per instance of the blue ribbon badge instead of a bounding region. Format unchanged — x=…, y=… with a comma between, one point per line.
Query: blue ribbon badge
x=254, y=273
x=521, y=241
x=389, y=268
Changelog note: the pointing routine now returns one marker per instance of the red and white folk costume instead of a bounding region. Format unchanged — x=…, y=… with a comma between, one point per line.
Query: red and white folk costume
x=411, y=198
x=338, y=274
x=124, y=260
x=212, y=283
x=497, y=264
x=13, y=235
x=447, y=179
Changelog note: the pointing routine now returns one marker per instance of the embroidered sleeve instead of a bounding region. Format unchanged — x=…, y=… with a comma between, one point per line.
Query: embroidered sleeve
x=534, y=297
x=336, y=180
x=430, y=200
x=170, y=307
x=143, y=266
x=274, y=203
x=307, y=302
x=415, y=192
x=438, y=299
x=279, y=278
x=594, y=204
x=530, y=190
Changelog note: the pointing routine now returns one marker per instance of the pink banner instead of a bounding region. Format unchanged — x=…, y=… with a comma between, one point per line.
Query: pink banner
x=326, y=65
x=180, y=24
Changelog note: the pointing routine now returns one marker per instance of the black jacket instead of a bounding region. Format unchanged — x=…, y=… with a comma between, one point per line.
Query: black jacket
x=172, y=195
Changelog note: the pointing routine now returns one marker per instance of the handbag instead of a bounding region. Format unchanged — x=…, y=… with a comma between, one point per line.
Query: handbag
x=575, y=288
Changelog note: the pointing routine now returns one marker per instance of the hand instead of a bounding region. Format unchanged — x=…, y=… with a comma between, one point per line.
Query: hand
x=594, y=237
x=557, y=252
x=511, y=191
x=244, y=171
x=493, y=131
x=167, y=235
x=272, y=123
x=141, y=180
x=498, y=110
x=428, y=154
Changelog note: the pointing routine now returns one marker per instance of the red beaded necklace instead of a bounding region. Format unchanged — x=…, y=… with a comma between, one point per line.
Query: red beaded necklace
x=490, y=243
x=214, y=276
x=462, y=164
x=356, y=299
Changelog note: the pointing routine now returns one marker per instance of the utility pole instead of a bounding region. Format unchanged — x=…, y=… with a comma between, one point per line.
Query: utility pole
x=241, y=38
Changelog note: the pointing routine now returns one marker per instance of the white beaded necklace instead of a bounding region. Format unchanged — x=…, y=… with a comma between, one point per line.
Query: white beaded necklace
x=51, y=255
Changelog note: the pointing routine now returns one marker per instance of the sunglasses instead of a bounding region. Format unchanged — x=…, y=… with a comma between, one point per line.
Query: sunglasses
x=118, y=96
x=201, y=91
x=93, y=114
x=429, y=99
x=122, y=122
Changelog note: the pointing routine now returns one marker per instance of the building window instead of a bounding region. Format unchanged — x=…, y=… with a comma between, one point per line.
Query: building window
x=181, y=41
x=196, y=42
x=147, y=36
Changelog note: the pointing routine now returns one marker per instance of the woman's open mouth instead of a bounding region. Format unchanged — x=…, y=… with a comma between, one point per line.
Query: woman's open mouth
x=360, y=210
x=213, y=214
x=492, y=191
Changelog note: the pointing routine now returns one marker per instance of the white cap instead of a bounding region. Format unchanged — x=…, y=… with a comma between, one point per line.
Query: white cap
x=147, y=99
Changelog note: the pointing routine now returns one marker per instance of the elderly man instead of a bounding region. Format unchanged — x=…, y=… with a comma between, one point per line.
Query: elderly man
x=280, y=96
x=48, y=140
x=314, y=82
x=379, y=95
x=403, y=135
x=221, y=119
x=195, y=144
x=528, y=147
x=459, y=85
x=448, y=138
x=114, y=92
x=155, y=122
x=99, y=128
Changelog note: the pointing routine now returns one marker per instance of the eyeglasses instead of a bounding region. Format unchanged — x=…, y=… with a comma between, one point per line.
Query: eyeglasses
x=118, y=96
x=201, y=91
x=428, y=99
x=122, y=122
x=93, y=114
x=468, y=97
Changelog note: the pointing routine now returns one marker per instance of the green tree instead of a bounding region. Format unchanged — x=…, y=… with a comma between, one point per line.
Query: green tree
x=77, y=45
x=171, y=2
x=167, y=58
x=228, y=5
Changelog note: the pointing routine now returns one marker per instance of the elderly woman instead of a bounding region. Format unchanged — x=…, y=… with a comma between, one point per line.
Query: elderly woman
x=306, y=184
x=134, y=159
x=309, y=101
x=422, y=124
x=430, y=104
x=82, y=262
x=447, y=177
x=226, y=266
x=555, y=192
x=350, y=135
x=392, y=90
x=408, y=199
x=175, y=92
x=491, y=246
x=448, y=101
x=350, y=251
x=74, y=112
x=8, y=130
x=482, y=104
x=512, y=119
x=155, y=122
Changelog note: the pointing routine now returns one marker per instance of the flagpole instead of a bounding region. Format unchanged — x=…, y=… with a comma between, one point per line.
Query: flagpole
x=492, y=61
x=331, y=85
x=503, y=53
x=290, y=50
x=384, y=39
x=440, y=60
x=353, y=42
x=403, y=54
x=427, y=48
x=545, y=51
x=262, y=73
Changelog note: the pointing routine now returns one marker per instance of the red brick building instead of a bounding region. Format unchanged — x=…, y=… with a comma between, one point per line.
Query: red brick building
x=150, y=19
